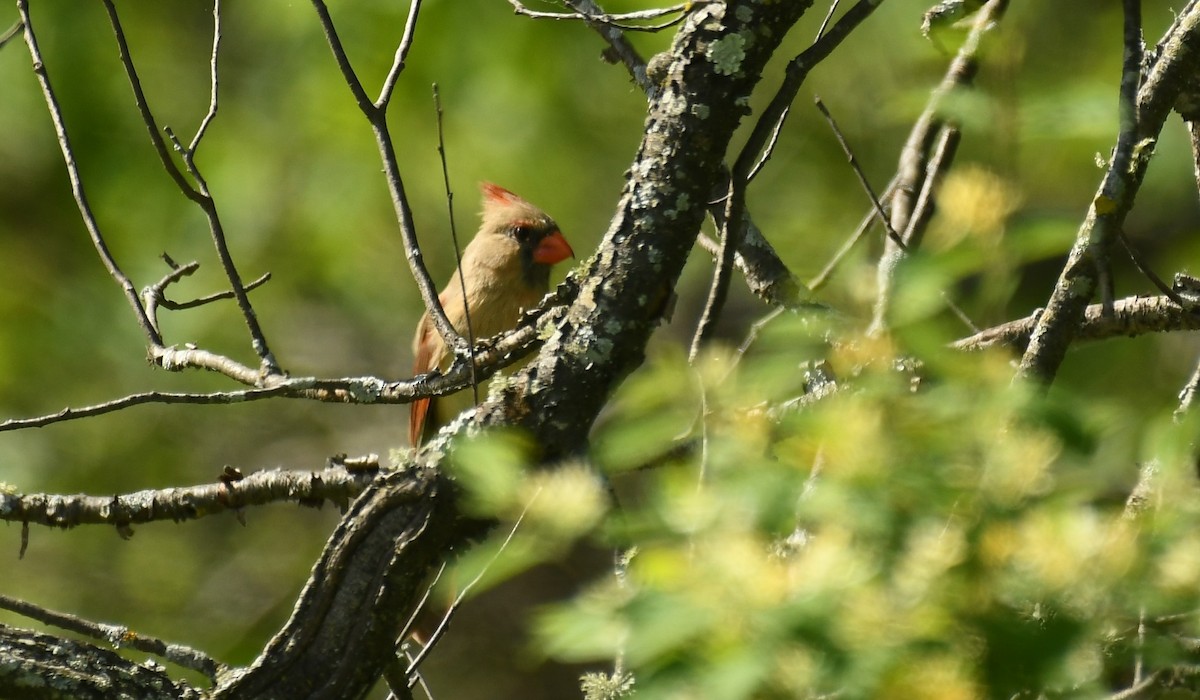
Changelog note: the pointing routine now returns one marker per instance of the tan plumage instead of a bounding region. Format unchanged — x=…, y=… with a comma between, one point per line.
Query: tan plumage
x=506, y=268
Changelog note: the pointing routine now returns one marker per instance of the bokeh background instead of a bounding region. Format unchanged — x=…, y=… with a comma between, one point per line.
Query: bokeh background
x=532, y=106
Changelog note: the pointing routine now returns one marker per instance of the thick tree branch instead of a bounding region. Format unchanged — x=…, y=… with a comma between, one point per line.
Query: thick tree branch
x=342, y=632
x=716, y=59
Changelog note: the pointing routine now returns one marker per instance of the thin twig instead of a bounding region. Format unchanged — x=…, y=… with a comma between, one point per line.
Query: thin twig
x=190, y=154
x=492, y=357
x=943, y=156
x=1144, y=105
x=795, y=75
x=81, y=201
x=912, y=168
x=376, y=115
x=770, y=147
x=215, y=296
x=619, y=45
x=864, y=225
x=1130, y=317
x=1187, y=397
x=618, y=21
x=10, y=33
x=1143, y=267
x=118, y=636
x=458, y=599
x=200, y=195
x=828, y=16
x=862, y=177
x=462, y=280
x=406, y=42
x=145, y=397
x=339, y=482
x=717, y=293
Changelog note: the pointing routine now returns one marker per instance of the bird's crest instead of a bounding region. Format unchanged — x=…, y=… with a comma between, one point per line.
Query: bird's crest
x=495, y=194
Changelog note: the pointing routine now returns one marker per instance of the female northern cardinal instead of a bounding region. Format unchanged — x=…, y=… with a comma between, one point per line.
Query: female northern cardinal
x=506, y=269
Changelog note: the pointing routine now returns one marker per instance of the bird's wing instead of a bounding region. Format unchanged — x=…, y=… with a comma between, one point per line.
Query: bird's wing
x=424, y=349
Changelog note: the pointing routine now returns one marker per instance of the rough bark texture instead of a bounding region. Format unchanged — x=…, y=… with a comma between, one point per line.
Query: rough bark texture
x=373, y=570
x=35, y=666
x=716, y=60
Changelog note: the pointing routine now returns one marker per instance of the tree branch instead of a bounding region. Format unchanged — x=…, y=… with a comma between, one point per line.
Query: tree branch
x=912, y=171
x=1080, y=277
x=81, y=200
x=1129, y=317
x=337, y=483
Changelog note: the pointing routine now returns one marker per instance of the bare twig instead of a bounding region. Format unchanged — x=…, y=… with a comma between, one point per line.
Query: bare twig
x=620, y=47
x=198, y=194
x=406, y=42
x=85, y=210
x=462, y=281
x=118, y=636
x=376, y=114
x=824, y=275
x=1143, y=267
x=939, y=162
x=735, y=206
x=828, y=16
x=444, y=624
x=796, y=73
x=912, y=168
x=491, y=357
x=862, y=177
x=210, y=298
x=190, y=153
x=770, y=147
x=618, y=21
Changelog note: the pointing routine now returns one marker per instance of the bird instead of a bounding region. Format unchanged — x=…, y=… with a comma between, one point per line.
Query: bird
x=506, y=270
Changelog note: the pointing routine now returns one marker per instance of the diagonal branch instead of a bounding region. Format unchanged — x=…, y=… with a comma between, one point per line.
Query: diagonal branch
x=118, y=636
x=81, y=201
x=1142, y=118
x=199, y=194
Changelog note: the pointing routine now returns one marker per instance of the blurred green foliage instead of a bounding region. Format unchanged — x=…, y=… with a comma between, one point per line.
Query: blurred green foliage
x=965, y=540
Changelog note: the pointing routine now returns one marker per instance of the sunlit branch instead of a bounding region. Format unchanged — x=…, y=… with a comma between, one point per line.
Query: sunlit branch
x=490, y=355
x=619, y=21
x=190, y=153
x=1131, y=316
x=1156, y=95
x=336, y=483
x=912, y=168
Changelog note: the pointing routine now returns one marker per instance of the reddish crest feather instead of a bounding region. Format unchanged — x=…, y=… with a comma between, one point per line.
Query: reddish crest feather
x=497, y=194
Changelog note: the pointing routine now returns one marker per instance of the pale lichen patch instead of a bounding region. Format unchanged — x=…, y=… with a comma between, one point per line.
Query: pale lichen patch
x=727, y=54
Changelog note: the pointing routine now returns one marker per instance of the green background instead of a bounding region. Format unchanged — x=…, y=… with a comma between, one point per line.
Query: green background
x=529, y=105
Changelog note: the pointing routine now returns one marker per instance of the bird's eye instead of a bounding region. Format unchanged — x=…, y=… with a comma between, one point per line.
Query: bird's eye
x=521, y=232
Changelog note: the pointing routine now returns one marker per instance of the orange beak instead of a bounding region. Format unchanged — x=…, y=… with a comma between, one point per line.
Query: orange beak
x=553, y=249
